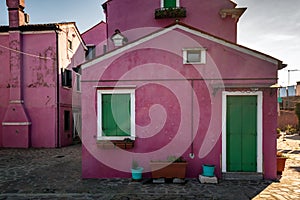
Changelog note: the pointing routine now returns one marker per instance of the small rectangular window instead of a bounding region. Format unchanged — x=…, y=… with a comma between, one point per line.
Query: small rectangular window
x=67, y=120
x=90, y=53
x=78, y=79
x=194, y=56
x=66, y=78
x=70, y=45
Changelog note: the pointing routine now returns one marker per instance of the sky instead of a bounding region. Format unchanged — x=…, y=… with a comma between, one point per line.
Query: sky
x=268, y=26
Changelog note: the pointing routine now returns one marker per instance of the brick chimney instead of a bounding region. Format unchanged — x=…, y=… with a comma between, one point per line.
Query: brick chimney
x=16, y=13
x=16, y=124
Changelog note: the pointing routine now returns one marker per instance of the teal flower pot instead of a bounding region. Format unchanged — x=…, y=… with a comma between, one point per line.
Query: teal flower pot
x=137, y=173
x=208, y=170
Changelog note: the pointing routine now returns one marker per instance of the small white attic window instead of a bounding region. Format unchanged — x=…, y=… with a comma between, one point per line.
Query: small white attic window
x=118, y=39
x=194, y=56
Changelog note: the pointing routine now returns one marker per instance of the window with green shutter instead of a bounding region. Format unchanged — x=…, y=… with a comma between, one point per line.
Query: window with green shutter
x=169, y=3
x=116, y=114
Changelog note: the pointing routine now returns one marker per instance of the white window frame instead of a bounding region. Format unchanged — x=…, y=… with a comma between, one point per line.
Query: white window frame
x=99, y=113
x=162, y=3
x=202, y=55
x=259, y=158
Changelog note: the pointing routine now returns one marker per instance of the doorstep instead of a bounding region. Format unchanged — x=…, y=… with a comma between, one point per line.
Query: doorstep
x=242, y=176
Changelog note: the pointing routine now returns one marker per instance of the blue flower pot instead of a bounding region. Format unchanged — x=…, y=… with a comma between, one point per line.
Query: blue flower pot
x=208, y=170
x=137, y=173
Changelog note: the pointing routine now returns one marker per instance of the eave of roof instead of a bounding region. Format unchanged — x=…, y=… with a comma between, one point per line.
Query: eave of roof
x=191, y=30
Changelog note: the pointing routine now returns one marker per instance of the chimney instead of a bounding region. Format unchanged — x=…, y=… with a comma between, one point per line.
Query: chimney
x=298, y=89
x=16, y=13
x=16, y=123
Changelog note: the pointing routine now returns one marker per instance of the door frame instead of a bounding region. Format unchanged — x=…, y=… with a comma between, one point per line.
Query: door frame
x=259, y=95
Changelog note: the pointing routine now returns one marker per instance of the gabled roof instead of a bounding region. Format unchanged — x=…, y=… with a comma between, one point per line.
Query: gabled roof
x=189, y=29
x=43, y=27
x=101, y=22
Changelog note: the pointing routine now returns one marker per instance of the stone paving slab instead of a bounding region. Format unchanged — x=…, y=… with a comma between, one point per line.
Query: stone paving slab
x=56, y=174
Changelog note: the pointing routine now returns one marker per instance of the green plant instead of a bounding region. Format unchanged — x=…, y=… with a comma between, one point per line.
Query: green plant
x=278, y=130
x=134, y=164
x=280, y=155
x=175, y=159
x=289, y=129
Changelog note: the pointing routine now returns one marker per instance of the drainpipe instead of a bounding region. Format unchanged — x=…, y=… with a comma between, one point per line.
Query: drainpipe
x=192, y=155
x=57, y=90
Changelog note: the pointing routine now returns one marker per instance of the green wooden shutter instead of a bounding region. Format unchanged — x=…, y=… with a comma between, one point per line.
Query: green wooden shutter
x=170, y=3
x=116, y=114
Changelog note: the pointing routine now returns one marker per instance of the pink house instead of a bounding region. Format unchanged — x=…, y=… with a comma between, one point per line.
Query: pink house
x=174, y=82
x=40, y=93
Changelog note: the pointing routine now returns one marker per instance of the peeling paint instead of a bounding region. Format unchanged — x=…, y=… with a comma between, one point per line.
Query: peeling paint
x=15, y=64
x=43, y=74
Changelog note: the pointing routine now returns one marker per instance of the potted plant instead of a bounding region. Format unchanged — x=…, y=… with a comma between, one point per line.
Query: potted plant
x=173, y=167
x=136, y=171
x=281, y=159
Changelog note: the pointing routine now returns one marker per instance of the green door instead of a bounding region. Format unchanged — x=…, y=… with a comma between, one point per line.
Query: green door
x=241, y=133
x=116, y=114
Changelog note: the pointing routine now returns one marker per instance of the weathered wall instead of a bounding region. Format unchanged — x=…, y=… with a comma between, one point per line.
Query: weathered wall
x=4, y=79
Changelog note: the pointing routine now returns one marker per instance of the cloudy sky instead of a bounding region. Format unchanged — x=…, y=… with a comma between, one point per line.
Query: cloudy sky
x=269, y=26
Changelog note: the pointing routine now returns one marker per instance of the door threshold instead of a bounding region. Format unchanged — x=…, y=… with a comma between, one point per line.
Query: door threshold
x=242, y=176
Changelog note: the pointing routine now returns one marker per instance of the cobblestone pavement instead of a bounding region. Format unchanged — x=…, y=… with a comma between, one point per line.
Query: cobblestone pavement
x=56, y=174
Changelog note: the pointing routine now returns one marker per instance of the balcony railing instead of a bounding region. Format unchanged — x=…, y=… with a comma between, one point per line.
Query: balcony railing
x=162, y=13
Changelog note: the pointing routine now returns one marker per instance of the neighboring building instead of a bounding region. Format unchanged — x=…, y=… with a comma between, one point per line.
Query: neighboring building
x=289, y=96
x=94, y=38
x=39, y=90
x=175, y=82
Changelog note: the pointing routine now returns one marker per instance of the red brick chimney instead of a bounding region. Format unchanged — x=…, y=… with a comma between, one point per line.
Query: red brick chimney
x=16, y=13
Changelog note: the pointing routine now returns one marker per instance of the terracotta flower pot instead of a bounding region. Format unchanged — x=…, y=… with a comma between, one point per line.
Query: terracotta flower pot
x=168, y=170
x=280, y=164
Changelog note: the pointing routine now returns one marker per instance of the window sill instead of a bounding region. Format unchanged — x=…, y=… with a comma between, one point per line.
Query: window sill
x=112, y=144
x=67, y=87
x=194, y=63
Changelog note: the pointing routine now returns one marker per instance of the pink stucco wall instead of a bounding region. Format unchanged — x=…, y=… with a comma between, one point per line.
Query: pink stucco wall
x=41, y=89
x=155, y=69
x=201, y=14
x=96, y=34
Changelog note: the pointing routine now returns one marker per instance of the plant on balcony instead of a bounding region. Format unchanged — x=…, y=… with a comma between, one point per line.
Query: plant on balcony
x=162, y=13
